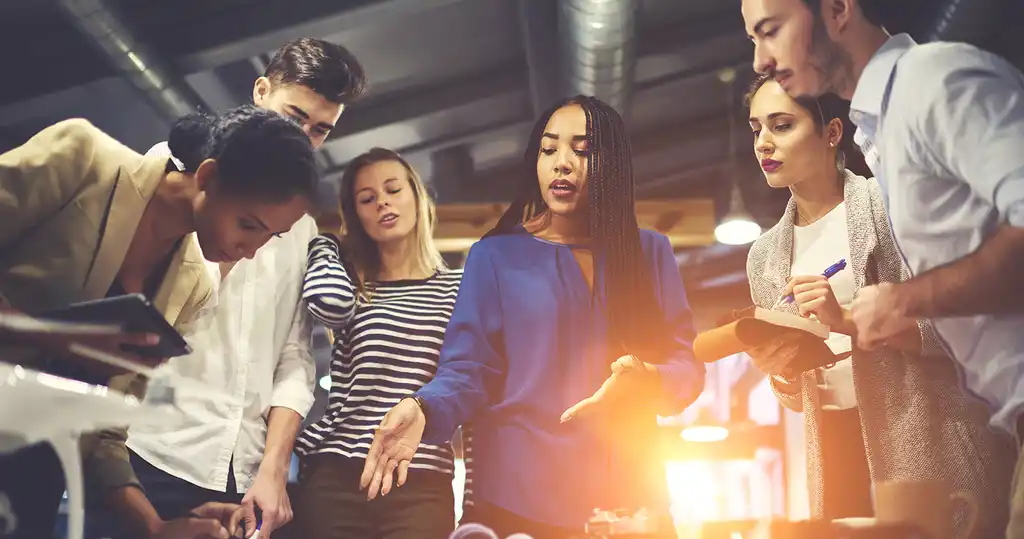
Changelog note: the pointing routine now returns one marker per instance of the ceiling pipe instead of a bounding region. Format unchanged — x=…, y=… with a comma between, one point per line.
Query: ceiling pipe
x=599, y=49
x=169, y=95
x=966, y=20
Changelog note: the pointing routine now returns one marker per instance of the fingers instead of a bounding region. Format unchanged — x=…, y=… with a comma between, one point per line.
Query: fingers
x=808, y=307
x=239, y=523
x=248, y=514
x=624, y=364
x=388, y=478
x=403, y=472
x=800, y=280
x=577, y=408
x=271, y=521
x=286, y=510
x=378, y=479
x=373, y=456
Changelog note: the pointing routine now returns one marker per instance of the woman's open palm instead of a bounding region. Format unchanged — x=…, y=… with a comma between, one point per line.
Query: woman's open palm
x=394, y=445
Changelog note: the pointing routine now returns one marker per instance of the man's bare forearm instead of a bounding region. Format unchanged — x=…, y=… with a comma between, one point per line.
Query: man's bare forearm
x=133, y=508
x=282, y=427
x=985, y=282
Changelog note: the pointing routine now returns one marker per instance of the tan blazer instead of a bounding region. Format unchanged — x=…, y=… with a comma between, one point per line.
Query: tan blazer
x=916, y=422
x=70, y=201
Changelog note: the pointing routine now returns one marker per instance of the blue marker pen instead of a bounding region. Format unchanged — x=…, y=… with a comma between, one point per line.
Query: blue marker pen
x=828, y=273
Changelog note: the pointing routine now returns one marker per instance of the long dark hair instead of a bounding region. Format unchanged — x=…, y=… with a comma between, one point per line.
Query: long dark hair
x=630, y=300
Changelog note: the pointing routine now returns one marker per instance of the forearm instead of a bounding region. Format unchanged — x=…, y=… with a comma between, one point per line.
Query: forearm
x=984, y=282
x=133, y=508
x=328, y=289
x=282, y=428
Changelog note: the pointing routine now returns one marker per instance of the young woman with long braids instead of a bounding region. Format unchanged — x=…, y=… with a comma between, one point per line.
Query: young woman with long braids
x=385, y=292
x=892, y=414
x=571, y=333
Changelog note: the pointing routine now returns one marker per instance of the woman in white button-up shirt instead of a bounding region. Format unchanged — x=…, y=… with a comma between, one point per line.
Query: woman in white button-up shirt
x=893, y=414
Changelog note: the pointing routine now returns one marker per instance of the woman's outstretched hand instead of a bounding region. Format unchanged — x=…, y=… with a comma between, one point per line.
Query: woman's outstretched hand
x=394, y=445
x=624, y=370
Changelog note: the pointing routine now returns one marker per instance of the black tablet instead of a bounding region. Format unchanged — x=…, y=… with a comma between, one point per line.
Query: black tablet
x=135, y=314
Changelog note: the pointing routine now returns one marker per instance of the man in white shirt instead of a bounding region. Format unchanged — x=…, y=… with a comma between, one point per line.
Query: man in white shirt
x=942, y=127
x=254, y=342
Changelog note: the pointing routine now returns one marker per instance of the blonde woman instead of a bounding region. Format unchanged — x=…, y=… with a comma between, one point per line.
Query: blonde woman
x=386, y=294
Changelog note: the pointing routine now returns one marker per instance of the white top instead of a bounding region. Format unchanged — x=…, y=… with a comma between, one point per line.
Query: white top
x=942, y=125
x=255, y=343
x=816, y=247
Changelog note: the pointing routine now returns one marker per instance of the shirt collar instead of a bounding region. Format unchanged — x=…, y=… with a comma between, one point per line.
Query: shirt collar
x=870, y=91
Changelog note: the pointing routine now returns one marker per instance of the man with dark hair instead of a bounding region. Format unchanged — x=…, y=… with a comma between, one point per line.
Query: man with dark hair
x=942, y=127
x=254, y=342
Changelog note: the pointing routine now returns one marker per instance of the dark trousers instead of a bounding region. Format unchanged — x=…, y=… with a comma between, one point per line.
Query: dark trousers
x=846, y=480
x=328, y=504
x=33, y=481
x=172, y=497
x=505, y=523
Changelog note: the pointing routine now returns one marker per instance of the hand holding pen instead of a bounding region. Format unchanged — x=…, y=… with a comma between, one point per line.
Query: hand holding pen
x=813, y=294
x=787, y=294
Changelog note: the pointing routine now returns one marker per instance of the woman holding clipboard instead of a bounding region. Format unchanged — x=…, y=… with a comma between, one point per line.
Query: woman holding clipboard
x=894, y=414
x=83, y=217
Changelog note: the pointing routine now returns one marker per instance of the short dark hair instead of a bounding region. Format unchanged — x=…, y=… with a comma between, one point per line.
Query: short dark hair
x=872, y=9
x=324, y=67
x=259, y=152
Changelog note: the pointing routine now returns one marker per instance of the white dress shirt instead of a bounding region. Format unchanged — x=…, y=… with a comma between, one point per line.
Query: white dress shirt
x=942, y=127
x=254, y=342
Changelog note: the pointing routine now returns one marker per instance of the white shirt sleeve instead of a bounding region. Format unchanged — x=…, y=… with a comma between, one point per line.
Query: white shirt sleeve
x=295, y=375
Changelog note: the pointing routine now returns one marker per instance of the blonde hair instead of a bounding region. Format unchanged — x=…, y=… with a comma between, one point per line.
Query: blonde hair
x=364, y=252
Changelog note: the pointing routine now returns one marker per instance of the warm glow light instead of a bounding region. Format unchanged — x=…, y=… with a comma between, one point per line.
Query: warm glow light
x=705, y=433
x=325, y=382
x=737, y=231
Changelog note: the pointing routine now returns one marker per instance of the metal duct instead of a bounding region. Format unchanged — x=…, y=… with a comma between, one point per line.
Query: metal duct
x=98, y=22
x=966, y=20
x=599, y=48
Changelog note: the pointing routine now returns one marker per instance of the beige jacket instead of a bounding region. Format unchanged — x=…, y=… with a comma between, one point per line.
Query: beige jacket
x=70, y=201
x=916, y=421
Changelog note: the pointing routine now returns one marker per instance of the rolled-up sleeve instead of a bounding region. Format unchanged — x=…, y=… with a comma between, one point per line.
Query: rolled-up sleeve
x=971, y=122
x=295, y=376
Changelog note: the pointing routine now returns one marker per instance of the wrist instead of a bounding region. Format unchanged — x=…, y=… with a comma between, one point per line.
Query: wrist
x=420, y=403
x=154, y=526
x=846, y=324
x=903, y=300
x=274, y=466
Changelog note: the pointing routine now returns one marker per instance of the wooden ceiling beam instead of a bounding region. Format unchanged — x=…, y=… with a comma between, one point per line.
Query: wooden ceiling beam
x=687, y=222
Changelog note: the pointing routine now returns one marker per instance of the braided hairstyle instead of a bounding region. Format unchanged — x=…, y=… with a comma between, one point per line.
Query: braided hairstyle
x=614, y=233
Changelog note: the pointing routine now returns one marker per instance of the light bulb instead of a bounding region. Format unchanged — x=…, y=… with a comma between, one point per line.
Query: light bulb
x=737, y=231
x=705, y=433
